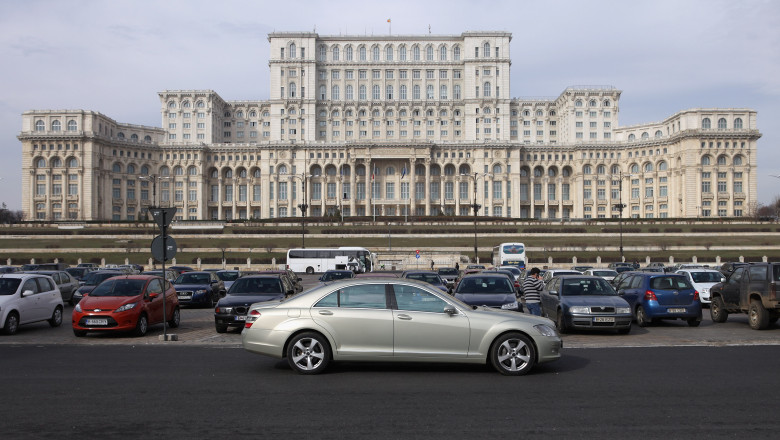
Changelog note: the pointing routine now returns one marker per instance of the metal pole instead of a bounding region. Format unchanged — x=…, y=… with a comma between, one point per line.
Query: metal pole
x=620, y=208
x=165, y=280
x=474, y=206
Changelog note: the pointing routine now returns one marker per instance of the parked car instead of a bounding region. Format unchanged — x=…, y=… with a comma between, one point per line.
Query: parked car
x=92, y=280
x=750, y=289
x=621, y=269
x=581, y=268
x=654, y=296
x=476, y=266
x=518, y=274
x=199, y=288
x=65, y=283
x=180, y=269
x=291, y=276
x=92, y=265
x=8, y=269
x=702, y=280
x=396, y=320
x=228, y=277
x=607, y=274
x=620, y=277
x=617, y=264
x=170, y=275
x=333, y=275
x=727, y=268
x=449, y=274
x=427, y=276
x=550, y=273
x=585, y=302
x=79, y=272
x=657, y=264
x=515, y=281
x=652, y=269
x=26, y=298
x=43, y=266
x=126, y=303
x=232, y=310
x=487, y=289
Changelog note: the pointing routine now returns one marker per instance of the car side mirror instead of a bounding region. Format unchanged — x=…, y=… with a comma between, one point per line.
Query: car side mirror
x=553, y=292
x=27, y=293
x=722, y=279
x=450, y=310
x=153, y=295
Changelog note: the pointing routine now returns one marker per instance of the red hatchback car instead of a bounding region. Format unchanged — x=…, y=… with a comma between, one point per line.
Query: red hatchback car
x=126, y=303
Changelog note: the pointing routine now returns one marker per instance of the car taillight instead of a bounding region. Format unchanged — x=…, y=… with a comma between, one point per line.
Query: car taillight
x=650, y=296
x=695, y=295
x=251, y=318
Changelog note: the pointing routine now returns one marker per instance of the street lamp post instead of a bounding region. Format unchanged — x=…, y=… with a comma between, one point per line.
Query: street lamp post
x=620, y=206
x=475, y=206
x=303, y=207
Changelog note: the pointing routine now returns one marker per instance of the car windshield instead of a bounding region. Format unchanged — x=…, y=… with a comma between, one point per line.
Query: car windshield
x=448, y=271
x=587, y=286
x=604, y=273
x=669, y=283
x=706, y=277
x=427, y=277
x=95, y=278
x=8, y=286
x=76, y=271
x=119, y=287
x=514, y=270
x=193, y=278
x=256, y=286
x=330, y=276
x=228, y=275
x=486, y=285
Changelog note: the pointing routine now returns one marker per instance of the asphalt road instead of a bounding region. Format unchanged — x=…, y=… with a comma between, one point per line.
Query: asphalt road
x=207, y=392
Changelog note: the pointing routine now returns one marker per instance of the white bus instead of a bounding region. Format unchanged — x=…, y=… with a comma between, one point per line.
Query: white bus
x=311, y=260
x=510, y=254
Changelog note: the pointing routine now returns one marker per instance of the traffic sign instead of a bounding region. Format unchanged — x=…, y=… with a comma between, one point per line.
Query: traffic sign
x=160, y=247
x=163, y=216
x=417, y=254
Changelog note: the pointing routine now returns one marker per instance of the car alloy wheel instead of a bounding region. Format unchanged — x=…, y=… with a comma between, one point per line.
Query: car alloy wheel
x=11, y=324
x=308, y=353
x=175, y=318
x=56, y=317
x=142, y=326
x=513, y=354
x=641, y=317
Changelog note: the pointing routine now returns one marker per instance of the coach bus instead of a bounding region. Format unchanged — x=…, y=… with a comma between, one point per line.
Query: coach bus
x=510, y=254
x=311, y=260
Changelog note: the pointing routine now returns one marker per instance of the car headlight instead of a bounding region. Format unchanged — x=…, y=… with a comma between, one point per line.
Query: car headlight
x=624, y=310
x=512, y=305
x=125, y=307
x=580, y=309
x=78, y=308
x=545, y=330
x=225, y=310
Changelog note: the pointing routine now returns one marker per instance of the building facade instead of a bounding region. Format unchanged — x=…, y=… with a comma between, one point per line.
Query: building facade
x=389, y=126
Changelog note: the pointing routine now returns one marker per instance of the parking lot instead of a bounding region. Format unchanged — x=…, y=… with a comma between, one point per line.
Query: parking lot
x=197, y=328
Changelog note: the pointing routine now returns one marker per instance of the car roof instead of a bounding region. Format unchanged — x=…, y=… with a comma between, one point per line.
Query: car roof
x=21, y=275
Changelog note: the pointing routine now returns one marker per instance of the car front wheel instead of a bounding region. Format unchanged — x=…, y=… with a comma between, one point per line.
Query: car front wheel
x=560, y=322
x=141, y=326
x=175, y=318
x=308, y=353
x=11, y=324
x=513, y=354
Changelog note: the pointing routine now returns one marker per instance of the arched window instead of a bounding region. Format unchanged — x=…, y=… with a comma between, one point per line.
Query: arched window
x=706, y=160
x=362, y=93
x=486, y=50
x=147, y=139
x=165, y=171
x=228, y=174
x=538, y=172
x=350, y=94
x=56, y=162
x=192, y=171
x=456, y=53
x=464, y=169
x=348, y=51
x=662, y=166
x=497, y=169
x=738, y=124
x=601, y=169
x=72, y=125
x=242, y=173
x=56, y=125
x=200, y=104
x=634, y=168
x=145, y=170
x=375, y=53
x=256, y=173
x=486, y=89
x=214, y=174
x=345, y=170
x=73, y=162
x=334, y=93
x=705, y=123
x=416, y=53
x=578, y=103
x=552, y=172
x=116, y=168
x=281, y=169
x=539, y=113
x=178, y=171
x=316, y=171
x=645, y=135
x=722, y=125
x=171, y=104
x=587, y=169
x=449, y=170
x=40, y=163
x=360, y=170
x=362, y=53
x=648, y=167
x=738, y=160
x=722, y=160
x=615, y=170
x=40, y=126
x=389, y=53
x=134, y=137
x=435, y=170
x=292, y=89
x=631, y=137
x=240, y=113
x=131, y=169
x=658, y=133
x=443, y=53
x=402, y=53
x=186, y=104
x=524, y=172
x=607, y=103
x=429, y=53
x=592, y=103
x=419, y=170
x=293, y=51
x=389, y=171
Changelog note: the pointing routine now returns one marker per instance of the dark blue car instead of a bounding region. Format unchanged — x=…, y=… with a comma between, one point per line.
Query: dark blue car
x=654, y=296
x=585, y=302
x=232, y=310
x=199, y=288
x=427, y=276
x=490, y=290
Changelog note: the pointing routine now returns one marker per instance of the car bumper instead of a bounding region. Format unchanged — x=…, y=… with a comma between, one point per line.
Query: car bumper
x=658, y=311
x=230, y=320
x=549, y=348
x=595, y=322
x=199, y=299
x=113, y=322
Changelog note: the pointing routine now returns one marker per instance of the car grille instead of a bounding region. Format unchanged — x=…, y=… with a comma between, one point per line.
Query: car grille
x=602, y=310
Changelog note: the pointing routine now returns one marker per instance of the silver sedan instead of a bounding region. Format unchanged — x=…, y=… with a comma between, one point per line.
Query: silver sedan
x=395, y=320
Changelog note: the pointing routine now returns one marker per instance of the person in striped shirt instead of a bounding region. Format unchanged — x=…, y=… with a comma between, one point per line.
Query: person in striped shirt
x=532, y=290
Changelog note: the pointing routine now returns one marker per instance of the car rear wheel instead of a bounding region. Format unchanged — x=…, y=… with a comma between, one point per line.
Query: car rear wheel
x=141, y=326
x=641, y=317
x=11, y=324
x=309, y=270
x=513, y=354
x=175, y=318
x=308, y=353
x=718, y=312
x=56, y=317
x=758, y=317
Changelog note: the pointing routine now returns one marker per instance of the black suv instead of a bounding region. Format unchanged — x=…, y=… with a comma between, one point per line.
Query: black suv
x=231, y=311
x=751, y=289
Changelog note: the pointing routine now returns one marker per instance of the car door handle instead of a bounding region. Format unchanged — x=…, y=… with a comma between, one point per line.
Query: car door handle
x=326, y=312
x=405, y=317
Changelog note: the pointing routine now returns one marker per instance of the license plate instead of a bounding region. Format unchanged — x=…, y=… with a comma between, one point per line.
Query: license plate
x=97, y=321
x=676, y=310
x=604, y=319
x=241, y=318
x=185, y=296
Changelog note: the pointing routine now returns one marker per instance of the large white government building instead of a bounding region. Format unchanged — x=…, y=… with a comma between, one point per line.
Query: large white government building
x=389, y=125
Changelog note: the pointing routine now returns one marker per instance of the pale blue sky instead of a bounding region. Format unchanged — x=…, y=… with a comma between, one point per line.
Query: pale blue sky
x=114, y=56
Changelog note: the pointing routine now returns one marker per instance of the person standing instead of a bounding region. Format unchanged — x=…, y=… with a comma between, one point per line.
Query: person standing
x=457, y=267
x=532, y=291
x=431, y=264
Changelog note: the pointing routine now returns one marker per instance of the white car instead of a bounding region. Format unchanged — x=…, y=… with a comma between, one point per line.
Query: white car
x=702, y=280
x=607, y=274
x=555, y=272
x=27, y=298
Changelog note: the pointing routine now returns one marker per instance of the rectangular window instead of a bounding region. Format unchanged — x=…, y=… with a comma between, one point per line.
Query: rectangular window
x=390, y=190
x=360, y=191
x=537, y=191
